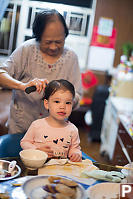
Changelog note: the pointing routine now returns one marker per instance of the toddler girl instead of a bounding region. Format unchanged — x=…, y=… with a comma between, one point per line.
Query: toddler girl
x=55, y=134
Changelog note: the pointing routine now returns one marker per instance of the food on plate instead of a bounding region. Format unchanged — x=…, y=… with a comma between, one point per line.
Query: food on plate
x=56, y=180
x=56, y=196
x=2, y=173
x=5, y=174
x=52, y=178
x=9, y=170
x=40, y=187
x=60, y=188
x=4, y=195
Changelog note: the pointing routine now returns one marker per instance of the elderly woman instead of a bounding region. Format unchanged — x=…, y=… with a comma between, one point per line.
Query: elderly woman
x=35, y=63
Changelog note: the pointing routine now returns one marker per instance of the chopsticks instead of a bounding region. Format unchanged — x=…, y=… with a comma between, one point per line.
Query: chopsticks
x=121, y=167
x=106, y=166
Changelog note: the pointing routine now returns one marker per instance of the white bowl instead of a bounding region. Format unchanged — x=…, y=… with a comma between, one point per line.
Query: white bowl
x=125, y=171
x=33, y=158
x=104, y=190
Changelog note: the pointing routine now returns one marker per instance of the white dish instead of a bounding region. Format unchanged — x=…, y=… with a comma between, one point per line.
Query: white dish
x=17, y=192
x=125, y=171
x=33, y=188
x=33, y=158
x=103, y=190
x=4, y=166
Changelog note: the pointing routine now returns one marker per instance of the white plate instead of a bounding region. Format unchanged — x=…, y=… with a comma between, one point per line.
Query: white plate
x=125, y=171
x=4, y=166
x=33, y=188
x=103, y=190
x=17, y=192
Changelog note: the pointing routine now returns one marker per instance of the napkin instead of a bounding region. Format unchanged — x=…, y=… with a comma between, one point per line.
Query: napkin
x=67, y=162
x=111, y=176
x=65, y=167
x=56, y=162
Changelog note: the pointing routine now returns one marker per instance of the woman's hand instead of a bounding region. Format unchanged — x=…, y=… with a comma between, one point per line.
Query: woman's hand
x=47, y=149
x=75, y=157
x=39, y=83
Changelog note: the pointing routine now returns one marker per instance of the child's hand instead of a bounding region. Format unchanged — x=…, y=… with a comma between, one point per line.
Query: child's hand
x=75, y=157
x=48, y=150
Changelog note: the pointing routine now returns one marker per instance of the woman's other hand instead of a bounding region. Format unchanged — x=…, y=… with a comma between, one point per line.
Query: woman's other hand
x=39, y=83
x=75, y=157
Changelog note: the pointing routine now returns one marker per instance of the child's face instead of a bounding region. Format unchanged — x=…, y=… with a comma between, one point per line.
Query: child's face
x=59, y=104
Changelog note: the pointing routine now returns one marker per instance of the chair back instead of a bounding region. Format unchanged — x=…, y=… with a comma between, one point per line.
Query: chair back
x=10, y=145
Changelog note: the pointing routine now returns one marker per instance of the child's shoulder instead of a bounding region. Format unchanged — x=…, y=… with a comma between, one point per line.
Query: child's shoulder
x=38, y=122
x=72, y=126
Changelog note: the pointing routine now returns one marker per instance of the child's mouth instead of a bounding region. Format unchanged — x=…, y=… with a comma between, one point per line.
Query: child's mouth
x=61, y=113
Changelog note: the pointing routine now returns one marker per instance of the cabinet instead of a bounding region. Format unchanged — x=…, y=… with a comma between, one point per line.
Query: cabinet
x=110, y=138
x=109, y=129
x=123, y=152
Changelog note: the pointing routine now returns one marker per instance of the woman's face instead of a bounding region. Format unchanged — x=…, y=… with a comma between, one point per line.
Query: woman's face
x=53, y=39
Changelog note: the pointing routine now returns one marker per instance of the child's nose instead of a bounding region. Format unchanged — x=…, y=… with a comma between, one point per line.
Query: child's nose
x=62, y=106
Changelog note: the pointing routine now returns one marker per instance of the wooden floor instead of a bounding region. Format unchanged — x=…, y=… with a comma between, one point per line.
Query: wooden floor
x=90, y=148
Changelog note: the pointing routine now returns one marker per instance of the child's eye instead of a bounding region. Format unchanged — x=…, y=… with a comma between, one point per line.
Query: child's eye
x=68, y=102
x=56, y=101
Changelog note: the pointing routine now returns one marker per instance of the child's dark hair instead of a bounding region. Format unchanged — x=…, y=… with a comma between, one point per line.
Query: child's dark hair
x=56, y=85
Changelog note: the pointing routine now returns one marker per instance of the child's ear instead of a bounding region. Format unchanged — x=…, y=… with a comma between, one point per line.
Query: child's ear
x=46, y=104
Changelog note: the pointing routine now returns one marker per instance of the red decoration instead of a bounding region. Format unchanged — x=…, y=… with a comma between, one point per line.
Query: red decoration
x=88, y=79
x=85, y=101
x=103, y=41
